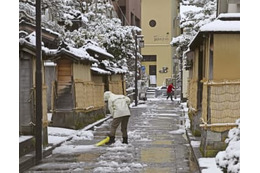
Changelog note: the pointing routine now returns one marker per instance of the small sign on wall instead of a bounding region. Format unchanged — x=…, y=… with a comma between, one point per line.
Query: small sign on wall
x=153, y=79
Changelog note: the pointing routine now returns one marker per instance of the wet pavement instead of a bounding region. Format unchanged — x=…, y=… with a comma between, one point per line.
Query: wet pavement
x=157, y=144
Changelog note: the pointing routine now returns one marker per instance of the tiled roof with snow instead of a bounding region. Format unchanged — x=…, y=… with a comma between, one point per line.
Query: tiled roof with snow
x=80, y=53
x=100, y=71
x=91, y=45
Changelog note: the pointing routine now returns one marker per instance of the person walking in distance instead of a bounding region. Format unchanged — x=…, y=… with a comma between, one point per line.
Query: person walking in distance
x=170, y=91
x=118, y=106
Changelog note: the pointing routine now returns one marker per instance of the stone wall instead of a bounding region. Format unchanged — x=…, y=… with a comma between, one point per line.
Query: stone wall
x=212, y=142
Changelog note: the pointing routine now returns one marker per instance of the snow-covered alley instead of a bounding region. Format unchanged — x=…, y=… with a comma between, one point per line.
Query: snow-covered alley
x=157, y=143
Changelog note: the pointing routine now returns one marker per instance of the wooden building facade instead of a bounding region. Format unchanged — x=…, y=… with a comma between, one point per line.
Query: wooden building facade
x=214, y=83
x=27, y=84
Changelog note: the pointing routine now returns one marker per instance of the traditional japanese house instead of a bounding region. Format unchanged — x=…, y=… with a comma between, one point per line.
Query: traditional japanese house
x=27, y=68
x=214, y=84
x=27, y=99
x=51, y=40
x=76, y=97
x=113, y=82
x=116, y=81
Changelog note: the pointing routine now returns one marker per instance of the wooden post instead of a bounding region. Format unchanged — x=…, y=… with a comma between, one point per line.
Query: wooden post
x=38, y=133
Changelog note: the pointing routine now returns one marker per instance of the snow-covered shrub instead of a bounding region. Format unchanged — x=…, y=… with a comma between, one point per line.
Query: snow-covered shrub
x=229, y=160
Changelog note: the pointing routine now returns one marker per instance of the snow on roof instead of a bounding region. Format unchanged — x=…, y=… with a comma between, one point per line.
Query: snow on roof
x=91, y=45
x=80, y=53
x=221, y=26
x=100, y=71
x=116, y=70
x=228, y=15
x=99, y=50
x=43, y=29
x=217, y=26
x=113, y=67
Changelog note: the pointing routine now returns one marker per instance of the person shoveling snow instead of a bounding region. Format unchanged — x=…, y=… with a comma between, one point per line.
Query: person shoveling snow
x=118, y=106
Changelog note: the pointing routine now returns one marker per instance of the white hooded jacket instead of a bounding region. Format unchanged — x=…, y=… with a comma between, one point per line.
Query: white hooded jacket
x=118, y=105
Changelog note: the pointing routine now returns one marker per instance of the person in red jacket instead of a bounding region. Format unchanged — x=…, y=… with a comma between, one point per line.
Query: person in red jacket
x=170, y=91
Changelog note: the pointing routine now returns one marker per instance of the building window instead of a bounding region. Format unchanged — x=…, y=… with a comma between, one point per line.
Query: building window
x=152, y=23
x=149, y=58
x=152, y=69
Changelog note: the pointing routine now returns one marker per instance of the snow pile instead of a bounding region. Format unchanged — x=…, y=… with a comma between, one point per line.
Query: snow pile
x=186, y=116
x=72, y=149
x=195, y=144
x=229, y=160
x=84, y=135
x=56, y=131
x=57, y=135
x=178, y=132
x=209, y=165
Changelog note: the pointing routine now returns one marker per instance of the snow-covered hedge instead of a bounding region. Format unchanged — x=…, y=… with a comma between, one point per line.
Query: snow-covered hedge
x=229, y=160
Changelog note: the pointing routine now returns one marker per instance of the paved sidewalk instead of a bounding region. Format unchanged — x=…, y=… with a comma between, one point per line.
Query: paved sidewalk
x=157, y=144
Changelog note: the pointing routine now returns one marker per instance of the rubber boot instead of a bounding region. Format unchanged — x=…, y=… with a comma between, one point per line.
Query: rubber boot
x=125, y=140
x=111, y=140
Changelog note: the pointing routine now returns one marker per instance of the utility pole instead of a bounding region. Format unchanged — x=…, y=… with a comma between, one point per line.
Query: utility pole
x=136, y=89
x=139, y=44
x=181, y=66
x=38, y=76
x=175, y=61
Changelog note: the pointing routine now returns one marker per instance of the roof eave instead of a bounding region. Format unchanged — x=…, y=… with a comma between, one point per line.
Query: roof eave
x=199, y=37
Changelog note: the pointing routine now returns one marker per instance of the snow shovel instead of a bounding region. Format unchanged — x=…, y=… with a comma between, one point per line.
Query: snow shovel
x=103, y=141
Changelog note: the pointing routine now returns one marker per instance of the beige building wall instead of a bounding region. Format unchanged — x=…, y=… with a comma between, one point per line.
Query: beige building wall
x=226, y=56
x=81, y=72
x=158, y=37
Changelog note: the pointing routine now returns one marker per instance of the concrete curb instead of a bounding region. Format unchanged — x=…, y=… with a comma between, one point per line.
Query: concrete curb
x=27, y=161
x=195, y=150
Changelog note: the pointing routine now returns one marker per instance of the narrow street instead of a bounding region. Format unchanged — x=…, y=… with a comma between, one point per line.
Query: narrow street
x=157, y=144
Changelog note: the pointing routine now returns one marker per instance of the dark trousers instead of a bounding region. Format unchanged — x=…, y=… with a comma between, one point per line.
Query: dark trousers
x=115, y=123
x=169, y=95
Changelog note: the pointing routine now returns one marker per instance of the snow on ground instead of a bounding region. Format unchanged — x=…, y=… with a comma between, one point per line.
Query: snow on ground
x=138, y=135
x=57, y=135
x=72, y=149
x=56, y=139
x=24, y=138
x=210, y=165
x=177, y=132
x=56, y=131
x=195, y=143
